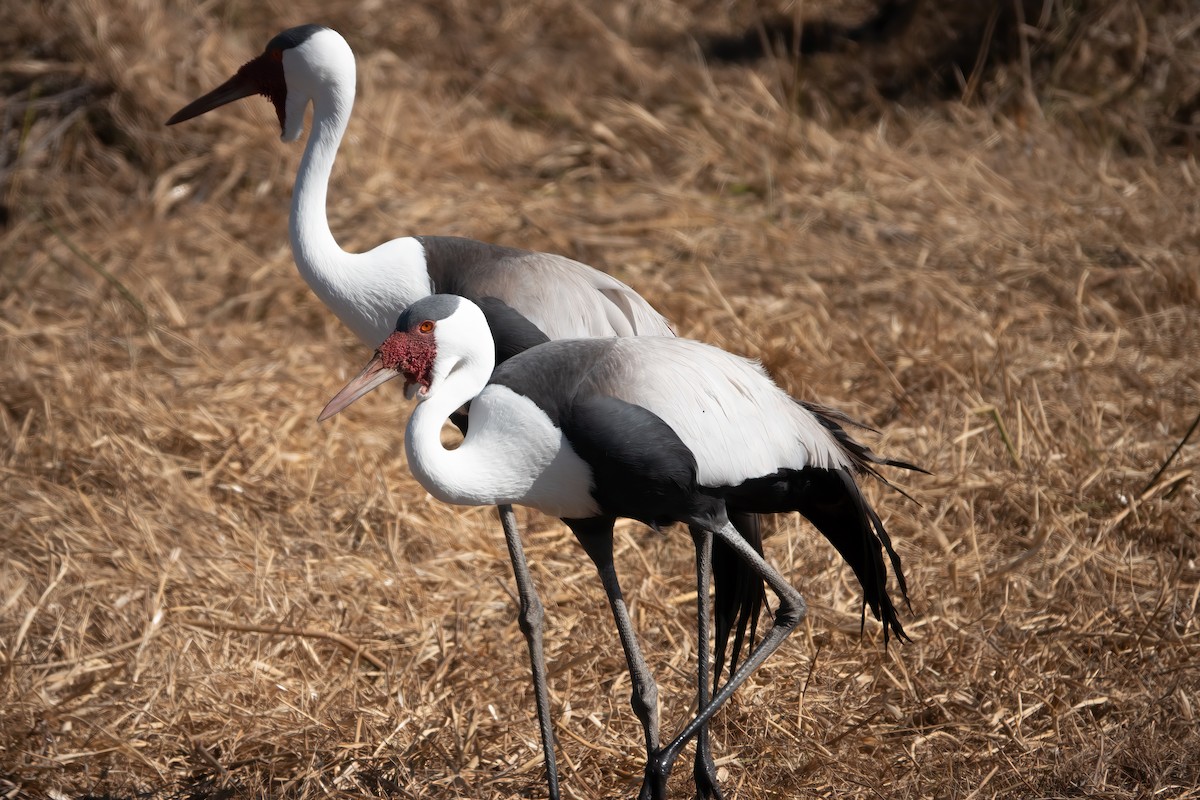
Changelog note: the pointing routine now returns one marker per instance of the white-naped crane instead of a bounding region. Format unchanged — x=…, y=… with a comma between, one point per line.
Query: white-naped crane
x=367, y=291
x=561, y=298
x=655, y=429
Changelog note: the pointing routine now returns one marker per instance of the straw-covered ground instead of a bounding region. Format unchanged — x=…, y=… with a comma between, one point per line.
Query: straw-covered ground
x=980, y=233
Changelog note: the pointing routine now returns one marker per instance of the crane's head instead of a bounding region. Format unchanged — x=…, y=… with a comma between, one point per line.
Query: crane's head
x=434, y=337
x=293, y=69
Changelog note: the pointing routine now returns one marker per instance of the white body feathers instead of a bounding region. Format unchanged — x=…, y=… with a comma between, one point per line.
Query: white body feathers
x=736, y=421
x=512, y=454
x=738, y=424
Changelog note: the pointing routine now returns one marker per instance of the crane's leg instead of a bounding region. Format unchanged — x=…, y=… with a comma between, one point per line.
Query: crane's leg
x=596, y=536
x=704, y=770
x=530, y=619
x=791, y=610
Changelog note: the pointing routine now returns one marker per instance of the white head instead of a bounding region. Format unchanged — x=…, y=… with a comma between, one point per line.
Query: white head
x=438, y=338
x=297, y=65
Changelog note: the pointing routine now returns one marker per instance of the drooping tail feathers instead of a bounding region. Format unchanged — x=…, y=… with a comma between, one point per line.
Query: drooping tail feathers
x=832, y=501
x=738, y=596
x=864, y=460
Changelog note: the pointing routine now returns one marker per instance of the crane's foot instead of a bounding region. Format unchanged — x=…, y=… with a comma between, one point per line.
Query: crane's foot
x=705, y=772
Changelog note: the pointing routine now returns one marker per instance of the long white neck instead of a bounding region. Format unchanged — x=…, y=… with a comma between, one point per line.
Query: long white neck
x=313, y=246
x=459, y=476
x=512, y=453
x=367, y=291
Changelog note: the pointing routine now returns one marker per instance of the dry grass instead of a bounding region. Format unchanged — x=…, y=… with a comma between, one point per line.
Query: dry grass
x=206, y=594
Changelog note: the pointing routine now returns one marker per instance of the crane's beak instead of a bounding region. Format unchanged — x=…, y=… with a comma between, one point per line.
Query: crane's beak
x=375, y=374
x=235, y=88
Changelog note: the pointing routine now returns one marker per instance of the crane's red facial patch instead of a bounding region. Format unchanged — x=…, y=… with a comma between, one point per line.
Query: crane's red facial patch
x=412, y=354
x=266, y=73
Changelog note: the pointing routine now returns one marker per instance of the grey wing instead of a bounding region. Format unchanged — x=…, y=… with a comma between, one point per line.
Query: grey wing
x=726, y=409
x=564, y=298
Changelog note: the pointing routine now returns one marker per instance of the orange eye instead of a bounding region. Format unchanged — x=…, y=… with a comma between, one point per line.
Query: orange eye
x=426, y=326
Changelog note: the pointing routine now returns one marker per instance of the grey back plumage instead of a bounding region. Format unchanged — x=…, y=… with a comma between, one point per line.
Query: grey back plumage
x=562, y=297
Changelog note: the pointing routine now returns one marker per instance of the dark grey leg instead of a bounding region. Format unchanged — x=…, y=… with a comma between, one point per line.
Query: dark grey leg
x=596, y=536
x=791, y=610
x=704, y=770
x=530, y=619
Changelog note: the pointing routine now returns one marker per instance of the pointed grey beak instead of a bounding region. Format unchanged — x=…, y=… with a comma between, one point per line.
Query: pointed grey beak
x=372, y=376
x=235, y=88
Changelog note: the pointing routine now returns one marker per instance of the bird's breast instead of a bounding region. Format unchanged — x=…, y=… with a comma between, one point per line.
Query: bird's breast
x=513, y=453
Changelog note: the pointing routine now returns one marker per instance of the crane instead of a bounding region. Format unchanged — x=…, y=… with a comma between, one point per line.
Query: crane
x=527, y=296
x=655, y=429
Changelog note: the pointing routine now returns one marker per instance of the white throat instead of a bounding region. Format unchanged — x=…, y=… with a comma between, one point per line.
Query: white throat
x=512, y=453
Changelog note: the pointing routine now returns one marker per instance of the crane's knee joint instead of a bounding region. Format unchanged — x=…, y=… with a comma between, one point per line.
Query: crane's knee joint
x=791, y=610
x=532, y=617
x=644, y=699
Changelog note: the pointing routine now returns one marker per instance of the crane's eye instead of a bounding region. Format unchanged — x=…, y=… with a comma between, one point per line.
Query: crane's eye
x=426, y=326
x=276, y=55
